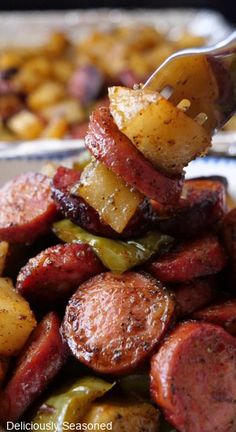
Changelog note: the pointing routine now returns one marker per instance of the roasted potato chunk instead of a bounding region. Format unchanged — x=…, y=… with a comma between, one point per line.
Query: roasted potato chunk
x=114, y=200
x=163, y=133
x=124, y=416
x=16, y=319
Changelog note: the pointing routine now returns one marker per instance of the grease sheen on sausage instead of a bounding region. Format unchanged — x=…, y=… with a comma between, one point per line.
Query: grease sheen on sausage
x=55, y=273
x=114, y=322
x=201, y=207
x=193, y=378
x=190, y=260
x=27, y=209
x=223, y=314
x=195, y=294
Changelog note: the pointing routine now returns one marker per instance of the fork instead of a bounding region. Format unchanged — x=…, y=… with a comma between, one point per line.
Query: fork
x=221, y=51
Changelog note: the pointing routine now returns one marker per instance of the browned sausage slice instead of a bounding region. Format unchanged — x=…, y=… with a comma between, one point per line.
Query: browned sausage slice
x=193, y=378
x=223, y=314
x=38, y=365
x=114, y=322
x=202, y=206
x=117, y=152
x=195, y=294
x=229, y=237
x=55, y=273
x=27, y=209
x=82, y=214
x=190, y=260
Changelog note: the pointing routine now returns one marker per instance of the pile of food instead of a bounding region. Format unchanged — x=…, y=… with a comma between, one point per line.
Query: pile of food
x=123, y=315
x=50, y=90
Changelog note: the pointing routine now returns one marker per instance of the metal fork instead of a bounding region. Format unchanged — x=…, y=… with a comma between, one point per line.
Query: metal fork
x=221, y=50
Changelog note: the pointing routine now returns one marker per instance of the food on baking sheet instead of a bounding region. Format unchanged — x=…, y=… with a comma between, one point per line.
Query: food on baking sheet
x=123, y=309
x=48, y=91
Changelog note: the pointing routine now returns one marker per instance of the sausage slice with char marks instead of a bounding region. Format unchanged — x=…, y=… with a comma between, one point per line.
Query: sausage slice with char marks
x=195, y=294
x=193, y=378
x=223, y=314
x=190, y=260
x=114, y=322
x=27, y=209
x=82, y=214
x=55, y=273
x=39, y=363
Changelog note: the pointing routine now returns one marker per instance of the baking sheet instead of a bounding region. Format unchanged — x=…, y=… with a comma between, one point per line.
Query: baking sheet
x=33, y=28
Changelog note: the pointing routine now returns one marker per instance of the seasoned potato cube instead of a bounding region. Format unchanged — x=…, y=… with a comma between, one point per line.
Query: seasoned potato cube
x=57, y=44
x=10, y=59
x=47, y=94
x=16, y=319
x=57, y=128
x=4, y=247
x=124, y=416
x=69, y=109
x=25, y=125
x=114, y=200
x=62, y=70
x=164, y=134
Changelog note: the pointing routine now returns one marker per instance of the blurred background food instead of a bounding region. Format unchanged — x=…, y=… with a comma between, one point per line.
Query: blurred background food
x=49, y=88
x=48, y=91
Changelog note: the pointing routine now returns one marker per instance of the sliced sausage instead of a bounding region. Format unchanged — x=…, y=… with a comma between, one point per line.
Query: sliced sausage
x=202, y=206
x=36, y=368
x=86, y=83
x=193, y=378
x=109, y=145
x=229, y=238
x=27, y=209
x=196, y=294
x=136, y=312
x=223, y=314
x=54, y=274
x=82, y=214
x=190, y=260
x=78, y=131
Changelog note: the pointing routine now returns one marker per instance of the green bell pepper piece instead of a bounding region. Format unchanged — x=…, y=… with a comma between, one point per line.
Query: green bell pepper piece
x=118, y=256
x=70, y=404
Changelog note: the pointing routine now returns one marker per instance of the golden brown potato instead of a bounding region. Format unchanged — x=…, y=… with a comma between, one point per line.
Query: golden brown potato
x=124, y=416
x=113, y=199
x=69, y=109
x=56, y=128
x=47, y=94
x=25, y=125
x=4, y=247
x=162, y=132
x=16, y=319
